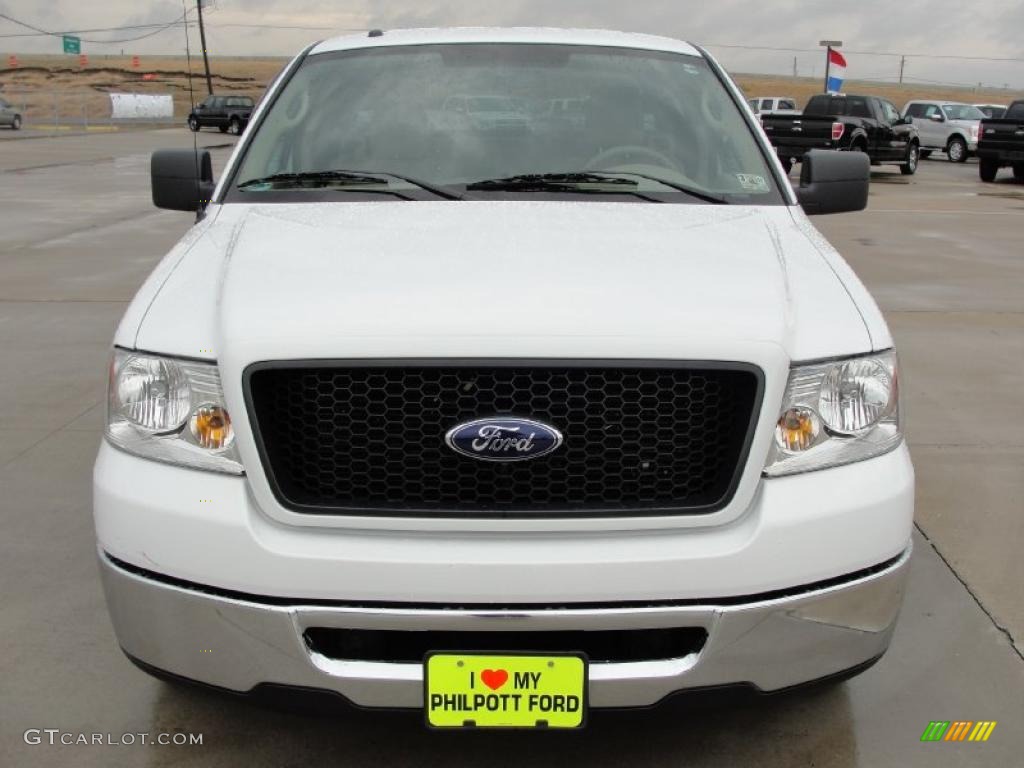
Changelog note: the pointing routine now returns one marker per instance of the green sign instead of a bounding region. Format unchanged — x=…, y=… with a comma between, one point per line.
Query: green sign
x=72, y=44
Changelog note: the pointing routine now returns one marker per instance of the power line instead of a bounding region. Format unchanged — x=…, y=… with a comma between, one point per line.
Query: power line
x=761, y=48
x=285, y=26
x=867, y=53
x=936, y=56
x=86, y=31
x=159, y=27
x=162, y=26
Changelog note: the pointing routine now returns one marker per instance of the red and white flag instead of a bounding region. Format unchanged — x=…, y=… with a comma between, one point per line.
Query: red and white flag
x=836, y=70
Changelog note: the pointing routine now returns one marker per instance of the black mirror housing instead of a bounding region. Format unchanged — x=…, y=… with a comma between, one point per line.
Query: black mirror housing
x=834, y=182
x=181, y=179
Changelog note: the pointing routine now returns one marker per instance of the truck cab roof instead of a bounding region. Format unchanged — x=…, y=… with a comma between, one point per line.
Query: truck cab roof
x=535, y=35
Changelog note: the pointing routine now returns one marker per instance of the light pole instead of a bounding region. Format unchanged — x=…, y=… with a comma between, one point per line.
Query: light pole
x=829, y=45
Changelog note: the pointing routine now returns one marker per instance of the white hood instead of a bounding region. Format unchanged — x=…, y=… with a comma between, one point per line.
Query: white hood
x=496, y=279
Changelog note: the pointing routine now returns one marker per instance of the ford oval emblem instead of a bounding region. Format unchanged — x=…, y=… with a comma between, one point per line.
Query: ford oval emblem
x=503, y=439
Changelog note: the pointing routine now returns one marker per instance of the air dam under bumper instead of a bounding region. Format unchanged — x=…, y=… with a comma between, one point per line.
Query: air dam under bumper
x=770, y=643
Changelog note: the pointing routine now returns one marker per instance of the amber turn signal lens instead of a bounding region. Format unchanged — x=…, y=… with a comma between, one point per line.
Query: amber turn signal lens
x=797, y=429
x=211, y=427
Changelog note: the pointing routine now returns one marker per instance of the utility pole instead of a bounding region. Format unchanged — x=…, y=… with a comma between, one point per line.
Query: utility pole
x=903, y=63
x=794, y=68
x=202, y=39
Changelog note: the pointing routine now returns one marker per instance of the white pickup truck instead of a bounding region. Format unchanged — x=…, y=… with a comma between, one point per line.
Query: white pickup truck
x=774, y=105
x=504, y=419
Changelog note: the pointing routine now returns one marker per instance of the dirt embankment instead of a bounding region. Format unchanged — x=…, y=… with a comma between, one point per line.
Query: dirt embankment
x=57, y=88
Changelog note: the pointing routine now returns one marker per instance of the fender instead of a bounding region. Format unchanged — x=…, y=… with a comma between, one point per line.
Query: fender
x=858, y=133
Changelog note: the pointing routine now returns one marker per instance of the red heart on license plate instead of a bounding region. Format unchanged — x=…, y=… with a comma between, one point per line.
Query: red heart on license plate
x=494, y=678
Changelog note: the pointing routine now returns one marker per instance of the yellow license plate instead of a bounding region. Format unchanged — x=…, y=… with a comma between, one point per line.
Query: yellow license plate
x=466, y=690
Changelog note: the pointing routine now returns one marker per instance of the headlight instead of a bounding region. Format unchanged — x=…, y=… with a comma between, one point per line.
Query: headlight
x=837, y=413
x=170, y=410
x=152, y=394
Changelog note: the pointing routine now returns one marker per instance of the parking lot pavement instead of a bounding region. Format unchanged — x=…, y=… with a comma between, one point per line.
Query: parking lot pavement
x=48, y=131
x=941, y=253
x=56, y=149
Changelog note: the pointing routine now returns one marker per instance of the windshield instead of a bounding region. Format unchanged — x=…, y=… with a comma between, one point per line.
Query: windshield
x=962, y=112
x=452, y=116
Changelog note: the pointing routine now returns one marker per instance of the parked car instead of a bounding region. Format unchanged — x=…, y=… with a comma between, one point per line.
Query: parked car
x=867, y=124
x=992, y=110
x=10, y=115
x=946, y=126
x=228, y=113
x=1002, y=143
x=503, y=430
x=774, y=105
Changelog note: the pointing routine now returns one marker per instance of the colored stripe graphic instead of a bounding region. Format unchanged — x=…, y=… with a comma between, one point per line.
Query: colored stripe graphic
x=935, y=731
x=958, y=730
x=983, y=730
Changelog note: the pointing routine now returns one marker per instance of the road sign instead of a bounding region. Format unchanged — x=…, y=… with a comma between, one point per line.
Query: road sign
x=72, y=44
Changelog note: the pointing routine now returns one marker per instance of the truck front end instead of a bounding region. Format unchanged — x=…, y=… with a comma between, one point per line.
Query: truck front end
x=424, y=415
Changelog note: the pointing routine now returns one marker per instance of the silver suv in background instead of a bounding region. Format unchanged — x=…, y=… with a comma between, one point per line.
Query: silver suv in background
x=946, y=126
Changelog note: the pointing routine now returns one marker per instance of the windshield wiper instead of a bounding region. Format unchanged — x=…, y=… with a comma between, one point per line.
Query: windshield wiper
x=707, y=197
x=343, y=177
x=561, y=182
x=528, y=181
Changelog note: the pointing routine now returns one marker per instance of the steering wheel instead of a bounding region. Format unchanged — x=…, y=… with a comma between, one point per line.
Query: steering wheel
x=627, y=153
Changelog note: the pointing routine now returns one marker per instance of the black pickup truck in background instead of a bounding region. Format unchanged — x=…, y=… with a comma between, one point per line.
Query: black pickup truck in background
x=229, y=113
x=850, y=123
x=1001, y=143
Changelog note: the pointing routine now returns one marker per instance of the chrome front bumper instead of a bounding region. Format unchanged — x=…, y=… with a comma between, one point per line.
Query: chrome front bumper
x=772, y=644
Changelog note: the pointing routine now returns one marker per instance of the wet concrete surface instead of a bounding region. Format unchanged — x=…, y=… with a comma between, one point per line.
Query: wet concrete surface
x=941, y=253
x=944, y=258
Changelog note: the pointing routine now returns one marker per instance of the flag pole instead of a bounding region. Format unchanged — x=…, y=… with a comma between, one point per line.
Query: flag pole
x=829, y=45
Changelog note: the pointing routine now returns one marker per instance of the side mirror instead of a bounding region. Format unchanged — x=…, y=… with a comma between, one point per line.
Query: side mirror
x=182, y=179
x=935, y=116
x=833, y=182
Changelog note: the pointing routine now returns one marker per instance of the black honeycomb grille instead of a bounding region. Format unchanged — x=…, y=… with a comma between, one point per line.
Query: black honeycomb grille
x=370, y=439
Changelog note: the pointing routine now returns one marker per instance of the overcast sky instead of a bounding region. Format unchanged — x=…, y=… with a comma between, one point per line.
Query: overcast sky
x=990, y=28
